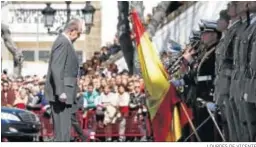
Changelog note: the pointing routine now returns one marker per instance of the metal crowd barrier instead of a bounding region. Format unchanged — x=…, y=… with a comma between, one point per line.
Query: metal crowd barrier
x=89, y=124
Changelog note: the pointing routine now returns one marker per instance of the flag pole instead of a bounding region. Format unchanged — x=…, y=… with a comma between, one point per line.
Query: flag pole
x=208, y=118
x=190, y=123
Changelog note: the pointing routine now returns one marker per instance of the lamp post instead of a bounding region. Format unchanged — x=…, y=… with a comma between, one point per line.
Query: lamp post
x=49, y=16
x=88, y=12
x=68, y=10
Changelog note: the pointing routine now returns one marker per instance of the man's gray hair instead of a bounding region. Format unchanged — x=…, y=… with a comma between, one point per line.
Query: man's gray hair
x=73, y=24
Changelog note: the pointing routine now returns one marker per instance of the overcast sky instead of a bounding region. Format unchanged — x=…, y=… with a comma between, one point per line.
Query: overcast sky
x=110, y=14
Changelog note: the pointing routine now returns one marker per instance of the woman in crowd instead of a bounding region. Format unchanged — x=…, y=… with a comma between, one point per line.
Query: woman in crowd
x=130, y=87
x=103, y=82
x=90, y=98
x=7, y=95
x=22, y=100
x=87, y=80
x=118, y=80
x=90, y=103
x=123, y=103
x=124, y=81
x=108, y=102
x=96, y=83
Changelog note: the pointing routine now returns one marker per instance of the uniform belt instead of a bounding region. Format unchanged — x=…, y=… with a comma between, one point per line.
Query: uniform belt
x=204, y=78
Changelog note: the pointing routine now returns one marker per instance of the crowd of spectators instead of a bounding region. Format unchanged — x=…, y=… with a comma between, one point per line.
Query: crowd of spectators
x=23, y=92
x=111, y=93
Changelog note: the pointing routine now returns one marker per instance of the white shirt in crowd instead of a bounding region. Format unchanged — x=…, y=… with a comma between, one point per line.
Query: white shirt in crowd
x=111, y=98
x=107, y=73
x=123, y=99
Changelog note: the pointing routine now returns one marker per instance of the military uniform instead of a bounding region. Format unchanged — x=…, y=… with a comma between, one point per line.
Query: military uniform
x=204, y=84
x=235, y=86
x=247, y=57
x=223, y=70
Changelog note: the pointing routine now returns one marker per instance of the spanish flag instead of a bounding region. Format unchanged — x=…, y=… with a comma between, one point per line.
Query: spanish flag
x=165, y=110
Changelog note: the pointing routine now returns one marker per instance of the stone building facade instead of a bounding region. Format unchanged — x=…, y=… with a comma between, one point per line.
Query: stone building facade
x=29, y=34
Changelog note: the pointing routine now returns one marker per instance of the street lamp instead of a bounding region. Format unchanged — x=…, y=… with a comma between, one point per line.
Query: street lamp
x=49, y=14
x=88, y=12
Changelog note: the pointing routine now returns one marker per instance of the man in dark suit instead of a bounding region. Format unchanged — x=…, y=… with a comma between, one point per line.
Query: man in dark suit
x=61, y=82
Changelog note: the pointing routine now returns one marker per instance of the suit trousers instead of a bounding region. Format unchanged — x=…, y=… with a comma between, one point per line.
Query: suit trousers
x=235, y=105
x=227, y=113
x=222, y=89
x=243, y=112
x=61, y=115
x=249, y=123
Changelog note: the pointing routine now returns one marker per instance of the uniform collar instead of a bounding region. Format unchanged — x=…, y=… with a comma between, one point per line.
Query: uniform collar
x=233, y=23
x=67, y=37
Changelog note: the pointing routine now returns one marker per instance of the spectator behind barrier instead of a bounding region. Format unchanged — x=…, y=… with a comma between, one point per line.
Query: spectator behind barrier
x=7, y=95
x=108, y=101
x=21, y=101
x=123, y=103
x=90, y=97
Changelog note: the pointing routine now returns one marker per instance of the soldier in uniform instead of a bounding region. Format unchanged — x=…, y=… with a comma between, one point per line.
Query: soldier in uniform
x=201, y=75
x=180, y=70
x=224, y=55
x=223, y=66
x=205, y=76
x=237, y=78
x=247, y=61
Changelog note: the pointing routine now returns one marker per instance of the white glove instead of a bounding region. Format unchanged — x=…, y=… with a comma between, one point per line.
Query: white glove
x=63, y=97
x=211, y=106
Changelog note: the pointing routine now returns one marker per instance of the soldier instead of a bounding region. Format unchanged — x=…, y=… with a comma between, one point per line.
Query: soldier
x=237, y=79
x=223, y=73
x=205, y=75
x=201, y=76
x=247, y=60
x=223, y=66
x=180, y=69
x=179, y=73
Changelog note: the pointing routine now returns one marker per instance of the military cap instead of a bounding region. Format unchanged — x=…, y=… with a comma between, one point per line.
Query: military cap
x=224, y=15
x=201, y=26
x=209, y=26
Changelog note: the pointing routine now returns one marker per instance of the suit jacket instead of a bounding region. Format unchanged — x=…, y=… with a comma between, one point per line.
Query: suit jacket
x=62, y=71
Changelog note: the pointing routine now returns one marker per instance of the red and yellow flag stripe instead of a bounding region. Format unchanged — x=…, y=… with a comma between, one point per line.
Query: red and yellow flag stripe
x=163, y=108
